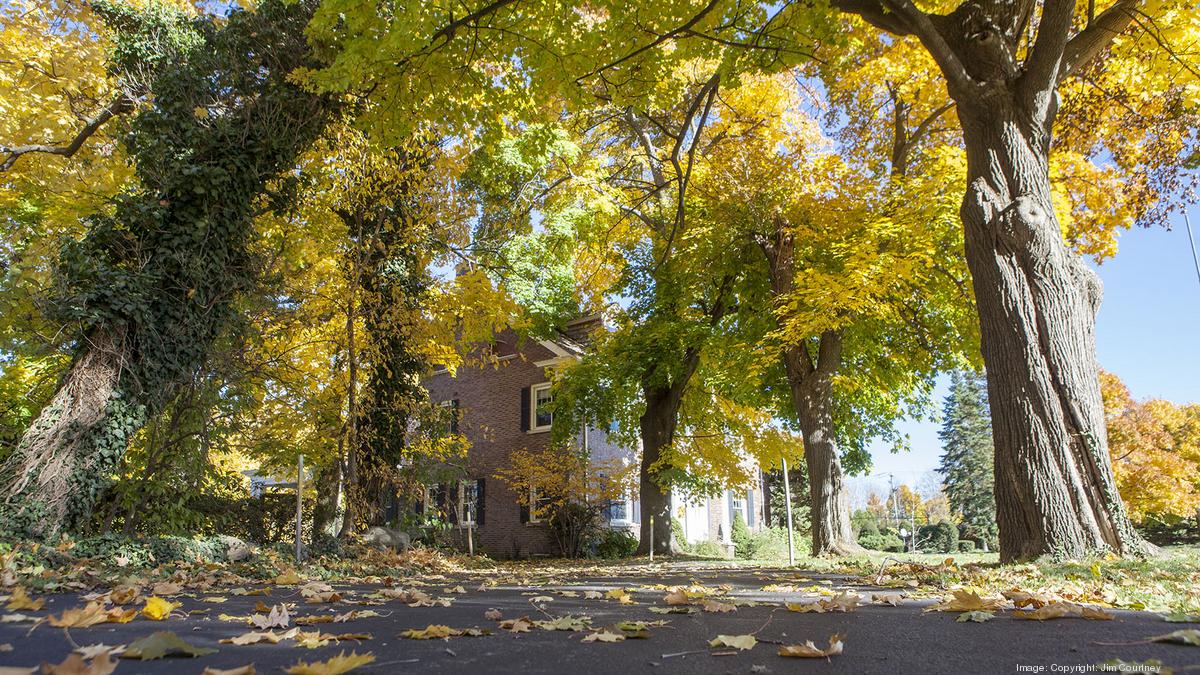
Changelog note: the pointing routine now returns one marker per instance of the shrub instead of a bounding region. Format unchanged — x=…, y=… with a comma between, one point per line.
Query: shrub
x=743, y=546
x=771, y=544
x=616, y=544
x=939, y=538
x=966, y=546
x=868, y=529
x=882, y=542
x=707, y=549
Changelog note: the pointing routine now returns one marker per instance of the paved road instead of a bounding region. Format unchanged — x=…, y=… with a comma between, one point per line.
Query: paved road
x=877, y=638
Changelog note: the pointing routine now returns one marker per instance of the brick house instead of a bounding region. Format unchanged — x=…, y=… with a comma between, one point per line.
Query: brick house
x=504, y=408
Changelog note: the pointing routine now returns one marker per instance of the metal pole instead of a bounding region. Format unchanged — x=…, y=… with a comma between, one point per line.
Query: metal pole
x=787, y=498
x=651, y=538
x=299, y=504
x=1192, y=241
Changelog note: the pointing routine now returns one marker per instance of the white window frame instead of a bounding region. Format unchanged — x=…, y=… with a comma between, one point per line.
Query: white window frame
x=462, y=504
x=534, y=428
x=733, y=509
x=627, y=501
x=533, y=500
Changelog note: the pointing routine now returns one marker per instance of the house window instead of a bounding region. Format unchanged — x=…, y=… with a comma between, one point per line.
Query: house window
x=618, y=511
x=468, y=502
x=451, y=412
x=737, y=507
x=541, y=418
x=539, y=506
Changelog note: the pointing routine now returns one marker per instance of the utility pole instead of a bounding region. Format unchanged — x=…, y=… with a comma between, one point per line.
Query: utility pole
x=894, y=512
x=299, y=506
x=787, y=498
x=1192, y=241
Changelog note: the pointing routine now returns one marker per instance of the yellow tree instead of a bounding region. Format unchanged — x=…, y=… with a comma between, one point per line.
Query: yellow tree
x=1155, y=447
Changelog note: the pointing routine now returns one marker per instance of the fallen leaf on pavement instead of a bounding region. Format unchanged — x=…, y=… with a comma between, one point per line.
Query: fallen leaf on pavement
x=592, y=595
x=718, y=606
x=620, y=595
x=430, y=632
x=742, y=642
x=244, y=670
x=252, y=638
x=163, y=643
x=157, y=609
x=1059, y=610
x=604, y=636
x=166, y=588
x=90, y=615
x=676, y=597
x=124, y=595
x=289, y=578
x=76, y=665
x=976, y=616
x=565, y=623
x=673, y=610
x=493, y=615
x=1022, y=599
x=92, y=651
x=277, y=618
x=16, y=618
x=810, y=651
x=521, y=625
x=966, y=601
x=1181, y=617
x=20, y=600
x=342, y=663
x=892, y=599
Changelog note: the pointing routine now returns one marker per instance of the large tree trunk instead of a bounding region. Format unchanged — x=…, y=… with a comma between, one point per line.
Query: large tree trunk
x=812, y=398
x=811, y=384
x=657, y=427
x=68, y=454
x=1037, y=303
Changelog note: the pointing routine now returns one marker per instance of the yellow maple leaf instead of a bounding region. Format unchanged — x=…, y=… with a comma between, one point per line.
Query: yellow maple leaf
x=604, y=636
x=430, y=632
x=21, y=600
x=289, y=578
x=342, y=663
x=157, y=609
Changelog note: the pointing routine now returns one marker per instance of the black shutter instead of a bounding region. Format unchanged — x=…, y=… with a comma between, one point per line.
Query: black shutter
x=439, y=500
x=525, y=409
x=454, y=416
x=452, y=503
x=480, y=501
x=524, y=509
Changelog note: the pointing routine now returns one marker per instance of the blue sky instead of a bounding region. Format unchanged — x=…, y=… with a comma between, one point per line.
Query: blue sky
x=1148, y=333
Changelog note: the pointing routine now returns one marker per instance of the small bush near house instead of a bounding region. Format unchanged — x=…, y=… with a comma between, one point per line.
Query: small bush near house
x=771, y=544
x=966, y=546
x=706, y=549
x=616, y=544
x=743, y=545
x=868, y=529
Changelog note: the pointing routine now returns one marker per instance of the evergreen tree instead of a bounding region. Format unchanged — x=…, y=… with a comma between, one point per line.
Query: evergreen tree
x=967, y=455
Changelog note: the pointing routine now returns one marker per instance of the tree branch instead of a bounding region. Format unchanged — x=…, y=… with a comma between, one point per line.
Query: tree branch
x=1045, y=61
x=657, y=41
x=119, y=106
x=1088, y=44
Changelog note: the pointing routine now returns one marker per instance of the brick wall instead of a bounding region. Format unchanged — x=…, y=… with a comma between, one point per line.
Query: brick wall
x=489, y=402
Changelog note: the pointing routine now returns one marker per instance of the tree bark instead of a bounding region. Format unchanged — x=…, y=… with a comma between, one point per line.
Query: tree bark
x=1037, y=300
x=329, y=479
x=811, y=386
x=66, y=457
x=657, y=426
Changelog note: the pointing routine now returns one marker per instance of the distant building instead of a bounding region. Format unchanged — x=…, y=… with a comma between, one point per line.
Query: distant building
x=506, y=408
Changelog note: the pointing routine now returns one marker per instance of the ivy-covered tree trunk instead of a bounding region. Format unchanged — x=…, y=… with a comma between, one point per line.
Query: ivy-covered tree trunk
x=1037, y=301
x=64, y=458
x=154, y=281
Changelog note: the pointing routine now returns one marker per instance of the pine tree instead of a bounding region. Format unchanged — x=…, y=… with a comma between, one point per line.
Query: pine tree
x=967, y=455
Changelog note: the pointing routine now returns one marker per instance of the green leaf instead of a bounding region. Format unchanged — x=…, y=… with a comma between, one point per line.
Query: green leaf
x=976, y=616
x=163, y=643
